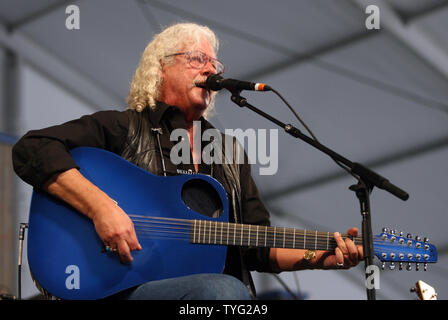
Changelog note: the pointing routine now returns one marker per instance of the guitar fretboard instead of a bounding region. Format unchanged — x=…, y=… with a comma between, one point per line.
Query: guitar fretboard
x=223, y=233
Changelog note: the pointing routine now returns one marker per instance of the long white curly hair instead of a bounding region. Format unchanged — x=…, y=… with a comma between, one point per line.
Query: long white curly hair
x=145, y=86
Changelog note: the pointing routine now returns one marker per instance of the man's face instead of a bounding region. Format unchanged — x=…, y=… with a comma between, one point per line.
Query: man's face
x=178, y=86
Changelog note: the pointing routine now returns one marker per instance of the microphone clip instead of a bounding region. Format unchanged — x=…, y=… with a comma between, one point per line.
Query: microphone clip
x=237, y=98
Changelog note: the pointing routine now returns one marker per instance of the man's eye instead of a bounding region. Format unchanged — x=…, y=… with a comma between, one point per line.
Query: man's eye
x=197, y=59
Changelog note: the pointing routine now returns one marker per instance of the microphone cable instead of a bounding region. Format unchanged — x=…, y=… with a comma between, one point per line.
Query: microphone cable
x=343, y=166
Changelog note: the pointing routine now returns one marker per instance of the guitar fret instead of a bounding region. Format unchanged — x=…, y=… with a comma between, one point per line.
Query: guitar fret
x=200, y=228
x=275, y=229
x=194, y=231
x=294, y=239
x=265, y=235
x=205, y=231
x=284, y=235
x=256, y=243
x=304, y=240
x=234, y=235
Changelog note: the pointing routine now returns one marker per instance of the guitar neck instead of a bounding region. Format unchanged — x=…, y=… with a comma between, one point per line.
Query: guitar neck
x=234, y=234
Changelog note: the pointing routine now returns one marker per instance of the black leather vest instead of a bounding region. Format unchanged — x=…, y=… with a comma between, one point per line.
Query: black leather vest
x=144, y=150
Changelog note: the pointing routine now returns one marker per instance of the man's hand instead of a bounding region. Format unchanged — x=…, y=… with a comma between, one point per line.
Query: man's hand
x=116, y=230
x=346, y=255
x=112, y=224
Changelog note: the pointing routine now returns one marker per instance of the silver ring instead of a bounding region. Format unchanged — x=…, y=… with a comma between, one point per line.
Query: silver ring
x=339, y=265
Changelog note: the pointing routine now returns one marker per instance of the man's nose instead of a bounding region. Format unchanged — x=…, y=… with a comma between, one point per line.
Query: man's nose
x=208, y=69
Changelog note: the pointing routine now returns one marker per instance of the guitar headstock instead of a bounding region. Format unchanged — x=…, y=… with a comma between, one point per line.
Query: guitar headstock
x=391, y=246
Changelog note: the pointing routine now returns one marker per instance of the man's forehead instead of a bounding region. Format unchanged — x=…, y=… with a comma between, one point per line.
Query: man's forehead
x=202, y=45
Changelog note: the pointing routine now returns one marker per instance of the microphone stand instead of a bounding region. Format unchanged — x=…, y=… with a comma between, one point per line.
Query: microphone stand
x=368, y=179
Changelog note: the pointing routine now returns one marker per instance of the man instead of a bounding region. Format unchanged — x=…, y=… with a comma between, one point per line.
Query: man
x=164, y=96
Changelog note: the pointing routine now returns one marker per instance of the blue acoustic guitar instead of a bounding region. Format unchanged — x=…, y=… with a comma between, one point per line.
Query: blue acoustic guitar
x=181, y=223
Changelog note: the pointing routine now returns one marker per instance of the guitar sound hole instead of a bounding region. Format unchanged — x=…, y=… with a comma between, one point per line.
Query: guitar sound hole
x=201, y=197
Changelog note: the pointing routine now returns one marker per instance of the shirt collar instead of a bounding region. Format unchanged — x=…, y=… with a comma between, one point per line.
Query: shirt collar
x=162, y=108
x=158, y=112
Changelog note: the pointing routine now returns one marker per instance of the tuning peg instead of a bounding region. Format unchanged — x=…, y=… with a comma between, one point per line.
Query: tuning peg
x=392, y=266
x=417, y=266
x=383, y=266
x=400, y=266
x=393, y=231
x=401, y=233
x=385, y=230
x=417, y=238
x=425, y=267
x=409, y=236
x=409, y=267
x=425, y=240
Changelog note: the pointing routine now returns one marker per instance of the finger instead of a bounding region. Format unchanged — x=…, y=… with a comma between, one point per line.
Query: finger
x=361, y=252
x=352, y=251
x=339, y=256
x=341, y=243
x=133, y=242
x=124, y=251
x=353, y=232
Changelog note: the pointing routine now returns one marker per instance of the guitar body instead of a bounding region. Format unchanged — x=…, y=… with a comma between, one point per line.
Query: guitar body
x=67, y=257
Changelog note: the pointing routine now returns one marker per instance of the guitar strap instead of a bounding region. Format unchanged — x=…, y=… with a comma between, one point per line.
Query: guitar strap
x=232, y=172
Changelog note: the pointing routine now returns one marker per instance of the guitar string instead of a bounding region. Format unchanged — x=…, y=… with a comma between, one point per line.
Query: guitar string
x=169, y=237
x=203, y=227
x=269, y=243
x=238, y=237
x=208, y=233
x=212, y=232
x=203, y=224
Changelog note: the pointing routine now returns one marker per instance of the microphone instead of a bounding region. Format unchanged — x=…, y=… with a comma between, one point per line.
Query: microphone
x=215, y=82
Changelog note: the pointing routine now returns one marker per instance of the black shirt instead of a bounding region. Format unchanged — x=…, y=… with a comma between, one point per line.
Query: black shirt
x=39, y=154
